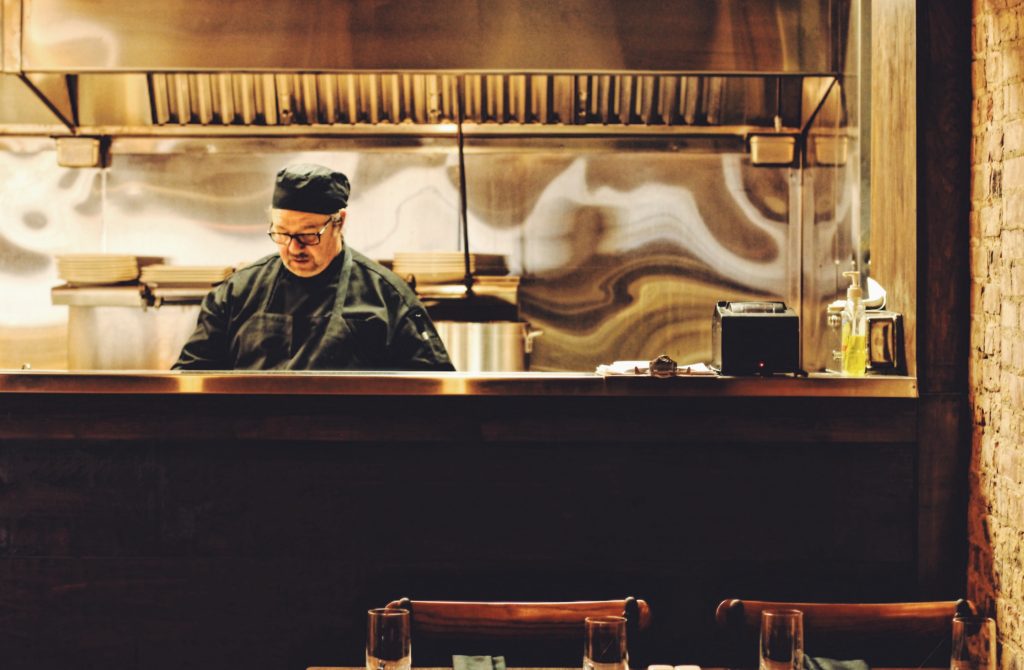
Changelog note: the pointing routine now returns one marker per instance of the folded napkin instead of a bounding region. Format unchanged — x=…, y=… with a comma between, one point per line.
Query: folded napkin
x=478, y=662
x=819, y=663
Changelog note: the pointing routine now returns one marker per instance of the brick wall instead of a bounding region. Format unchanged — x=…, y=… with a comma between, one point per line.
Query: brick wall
x=996, y=512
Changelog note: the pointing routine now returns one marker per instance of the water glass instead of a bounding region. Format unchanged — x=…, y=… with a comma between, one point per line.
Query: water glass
x=782, y=640
x=605, y=645
x=974, y=644
x=388, y=646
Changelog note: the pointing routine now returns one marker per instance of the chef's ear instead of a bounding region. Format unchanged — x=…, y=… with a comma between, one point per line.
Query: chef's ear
x=341, y=217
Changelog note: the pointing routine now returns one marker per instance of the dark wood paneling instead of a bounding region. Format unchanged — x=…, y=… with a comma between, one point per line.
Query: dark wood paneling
x=942, y=498
x=443, y=419
x=294, y=500
x=273, y=613
x=153, y=551
x=943, y=283
x=943, y=196
x=159, y=613
x=920, y=167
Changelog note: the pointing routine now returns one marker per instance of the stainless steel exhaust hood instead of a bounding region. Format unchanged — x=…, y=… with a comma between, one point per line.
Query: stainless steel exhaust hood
x=117, y=67
x=21, y=107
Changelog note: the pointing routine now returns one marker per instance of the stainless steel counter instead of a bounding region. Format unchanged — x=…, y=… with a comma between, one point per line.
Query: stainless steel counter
x=449, y=384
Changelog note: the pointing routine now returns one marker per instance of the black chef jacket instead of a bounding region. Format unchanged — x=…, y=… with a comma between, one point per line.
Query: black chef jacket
x=355, y=315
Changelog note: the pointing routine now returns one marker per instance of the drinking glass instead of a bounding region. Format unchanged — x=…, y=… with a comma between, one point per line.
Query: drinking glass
x=388, y=646
x=782, y=640
x=605, y=645
x=974, y=644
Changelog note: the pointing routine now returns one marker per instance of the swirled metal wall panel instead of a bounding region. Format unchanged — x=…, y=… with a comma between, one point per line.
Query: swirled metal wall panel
x=623, y=249
x=46, y=210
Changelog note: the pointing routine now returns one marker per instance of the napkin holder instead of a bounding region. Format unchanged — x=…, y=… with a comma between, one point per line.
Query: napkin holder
x=885, y=342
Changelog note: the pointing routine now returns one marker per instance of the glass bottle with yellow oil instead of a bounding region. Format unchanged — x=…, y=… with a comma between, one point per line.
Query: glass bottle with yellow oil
x=855, y=328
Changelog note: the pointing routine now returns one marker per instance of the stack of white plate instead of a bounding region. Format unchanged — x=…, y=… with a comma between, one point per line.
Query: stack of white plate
x=185, y=275
x=439, y=267
x=93, y=269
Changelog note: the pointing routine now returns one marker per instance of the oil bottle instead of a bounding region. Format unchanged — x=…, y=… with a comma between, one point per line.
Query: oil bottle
x=855, y=326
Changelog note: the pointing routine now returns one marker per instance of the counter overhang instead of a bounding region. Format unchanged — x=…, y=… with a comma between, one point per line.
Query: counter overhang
x=450, y=384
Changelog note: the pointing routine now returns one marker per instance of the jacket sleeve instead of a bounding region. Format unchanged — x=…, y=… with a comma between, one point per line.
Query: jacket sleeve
x=207, y=348
x=416, y=344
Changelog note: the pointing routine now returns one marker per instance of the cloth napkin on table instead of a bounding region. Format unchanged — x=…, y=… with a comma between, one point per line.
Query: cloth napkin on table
x=819, y=663
x=478, y=662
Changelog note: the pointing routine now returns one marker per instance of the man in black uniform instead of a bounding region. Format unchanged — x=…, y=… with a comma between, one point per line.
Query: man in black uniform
x=317, y=304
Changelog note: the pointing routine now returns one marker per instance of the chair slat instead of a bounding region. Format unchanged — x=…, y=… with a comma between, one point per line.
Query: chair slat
x=514, y=619
x=883, y=633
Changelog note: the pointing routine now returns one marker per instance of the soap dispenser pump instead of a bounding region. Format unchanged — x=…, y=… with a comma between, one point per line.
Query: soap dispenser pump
x=855, y=326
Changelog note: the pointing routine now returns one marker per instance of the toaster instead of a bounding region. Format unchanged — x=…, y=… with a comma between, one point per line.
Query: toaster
x=754, y=338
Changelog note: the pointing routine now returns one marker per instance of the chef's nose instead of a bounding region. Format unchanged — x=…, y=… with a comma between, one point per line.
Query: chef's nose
x=294, y=245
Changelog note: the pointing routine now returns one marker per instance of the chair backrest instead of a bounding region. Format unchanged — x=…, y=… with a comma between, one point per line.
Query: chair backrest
x=516, y=620
x=520, y=629
x=884, y=634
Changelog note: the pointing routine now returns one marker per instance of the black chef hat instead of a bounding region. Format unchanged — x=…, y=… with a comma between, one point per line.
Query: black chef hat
x=311, y=188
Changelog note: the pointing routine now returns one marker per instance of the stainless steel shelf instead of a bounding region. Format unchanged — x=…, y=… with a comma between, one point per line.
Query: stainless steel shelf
x=99, y=296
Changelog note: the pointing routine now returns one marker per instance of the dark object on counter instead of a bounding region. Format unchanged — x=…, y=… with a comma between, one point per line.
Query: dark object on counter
x=755, y=338
x=885, y=342
x=663, y=367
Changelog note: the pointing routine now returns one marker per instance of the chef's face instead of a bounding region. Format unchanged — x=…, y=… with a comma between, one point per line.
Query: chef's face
x=307, y=260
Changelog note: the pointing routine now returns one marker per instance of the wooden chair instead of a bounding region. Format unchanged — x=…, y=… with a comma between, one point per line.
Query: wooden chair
x=523, y=632
x=911, y=634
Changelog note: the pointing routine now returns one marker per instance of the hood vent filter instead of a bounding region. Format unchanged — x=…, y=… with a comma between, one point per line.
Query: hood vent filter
x=282, y=99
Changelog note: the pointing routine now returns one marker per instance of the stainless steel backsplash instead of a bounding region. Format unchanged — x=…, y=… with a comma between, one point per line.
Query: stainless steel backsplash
x=623, y=245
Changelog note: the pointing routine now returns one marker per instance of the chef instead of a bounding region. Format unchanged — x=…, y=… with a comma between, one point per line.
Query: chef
x=317, y=304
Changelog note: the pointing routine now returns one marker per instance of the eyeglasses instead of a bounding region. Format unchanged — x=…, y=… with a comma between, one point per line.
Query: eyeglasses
x=305, y=239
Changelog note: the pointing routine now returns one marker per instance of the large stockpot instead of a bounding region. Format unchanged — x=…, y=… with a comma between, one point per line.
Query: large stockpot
x=488, y=346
